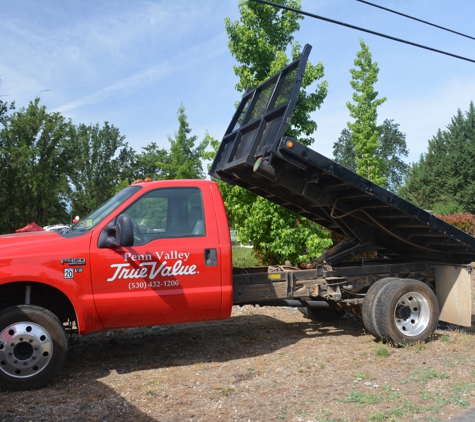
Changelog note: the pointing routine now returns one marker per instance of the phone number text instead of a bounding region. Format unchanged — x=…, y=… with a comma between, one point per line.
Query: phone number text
x=142, y=285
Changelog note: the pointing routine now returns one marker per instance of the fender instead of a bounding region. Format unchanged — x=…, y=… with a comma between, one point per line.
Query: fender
x=81, y=300
x=46, y=258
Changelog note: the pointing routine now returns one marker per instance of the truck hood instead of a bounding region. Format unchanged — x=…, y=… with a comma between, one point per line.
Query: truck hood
x=28, y=241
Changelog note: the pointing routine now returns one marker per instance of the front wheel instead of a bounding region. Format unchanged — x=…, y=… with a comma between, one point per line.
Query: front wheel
x=406, y=312
x=33, y=347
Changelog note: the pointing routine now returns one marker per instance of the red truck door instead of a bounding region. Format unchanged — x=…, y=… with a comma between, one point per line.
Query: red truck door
x=172, y=273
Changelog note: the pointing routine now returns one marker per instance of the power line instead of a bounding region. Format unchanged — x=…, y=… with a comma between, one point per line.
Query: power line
x=416, y=19
x=301, y=12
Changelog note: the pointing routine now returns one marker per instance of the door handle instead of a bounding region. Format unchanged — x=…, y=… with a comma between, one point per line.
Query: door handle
x=211, y=257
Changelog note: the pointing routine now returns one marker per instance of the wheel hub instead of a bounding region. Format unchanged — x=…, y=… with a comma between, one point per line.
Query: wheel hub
x=403, y=312
x=25, y=349
x=412, y=313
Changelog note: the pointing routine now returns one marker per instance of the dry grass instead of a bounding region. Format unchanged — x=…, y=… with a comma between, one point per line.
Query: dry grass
x=263, y=364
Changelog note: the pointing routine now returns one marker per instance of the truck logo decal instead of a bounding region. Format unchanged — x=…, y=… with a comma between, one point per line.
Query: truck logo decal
x=151, y=270
x=73, y=261
x=68, y=273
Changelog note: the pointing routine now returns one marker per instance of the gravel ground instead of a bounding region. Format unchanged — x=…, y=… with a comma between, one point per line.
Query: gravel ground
x=262, y=364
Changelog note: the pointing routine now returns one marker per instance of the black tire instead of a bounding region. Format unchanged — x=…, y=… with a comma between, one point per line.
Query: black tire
x=33, y=347
x=322, y=314
x=367, y=310
x=406, y=312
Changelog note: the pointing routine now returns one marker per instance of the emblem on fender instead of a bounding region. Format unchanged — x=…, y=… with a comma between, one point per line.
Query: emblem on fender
x=73, y=261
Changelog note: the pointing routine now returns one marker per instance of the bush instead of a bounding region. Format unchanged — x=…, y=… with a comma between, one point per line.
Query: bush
x=463, y=221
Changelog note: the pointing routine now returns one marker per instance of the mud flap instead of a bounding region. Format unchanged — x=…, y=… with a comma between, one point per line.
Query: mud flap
x=453, y=291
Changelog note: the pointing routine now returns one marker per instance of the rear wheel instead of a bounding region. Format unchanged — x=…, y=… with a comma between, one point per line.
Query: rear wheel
x=33, y=347
x=406, y=312
x=367, y=310
x=322, y=314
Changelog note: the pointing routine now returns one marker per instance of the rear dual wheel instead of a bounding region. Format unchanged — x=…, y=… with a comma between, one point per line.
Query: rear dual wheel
x=401, y=311
x=367, y=310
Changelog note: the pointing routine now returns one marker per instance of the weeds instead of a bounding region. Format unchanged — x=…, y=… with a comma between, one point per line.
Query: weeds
x=428, y=374
x=362, y=399
x=283, y=413
x=360, y=376
x=227, y=391
x=381, y=351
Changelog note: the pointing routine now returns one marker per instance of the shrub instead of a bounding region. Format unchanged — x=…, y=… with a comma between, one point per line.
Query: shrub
x=463, y=221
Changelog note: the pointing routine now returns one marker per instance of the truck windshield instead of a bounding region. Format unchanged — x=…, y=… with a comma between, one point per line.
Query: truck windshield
x=93, y=219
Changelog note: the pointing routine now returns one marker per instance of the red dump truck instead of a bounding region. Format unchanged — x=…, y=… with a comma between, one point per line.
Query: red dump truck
x=159, y=252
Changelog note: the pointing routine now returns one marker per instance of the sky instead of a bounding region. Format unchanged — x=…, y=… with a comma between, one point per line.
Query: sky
x=132, y=63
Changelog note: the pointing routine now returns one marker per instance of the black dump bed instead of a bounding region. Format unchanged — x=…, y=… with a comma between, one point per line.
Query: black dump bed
x=256, y=155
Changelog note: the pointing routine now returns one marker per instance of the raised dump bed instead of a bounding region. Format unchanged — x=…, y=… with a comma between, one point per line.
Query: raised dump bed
x=256, y=155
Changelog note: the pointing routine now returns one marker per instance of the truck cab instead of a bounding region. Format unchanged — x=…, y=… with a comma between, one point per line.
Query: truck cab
x=156, y=253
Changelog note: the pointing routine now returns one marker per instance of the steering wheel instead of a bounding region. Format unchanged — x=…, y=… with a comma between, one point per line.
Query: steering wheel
x=139, y=238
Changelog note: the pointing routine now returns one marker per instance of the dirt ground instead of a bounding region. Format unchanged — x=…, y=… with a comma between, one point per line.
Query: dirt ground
x=262, y=364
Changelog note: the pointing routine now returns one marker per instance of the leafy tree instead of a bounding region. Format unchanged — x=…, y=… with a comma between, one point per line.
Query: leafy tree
x=4, y=107
x=364, y=130
x=391, y=146
x=259, y=41
x=184, y=161
x=34, y=157
x=149, y=162
x=443, y=180
x=344, y=150
x=463, y=221
x=294, y=239
x=101, y=156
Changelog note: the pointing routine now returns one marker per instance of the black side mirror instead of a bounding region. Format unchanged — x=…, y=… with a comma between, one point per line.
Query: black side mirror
x=119, y=234
x=124, y=231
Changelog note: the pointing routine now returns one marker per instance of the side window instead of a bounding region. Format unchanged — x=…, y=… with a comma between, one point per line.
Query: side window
x=165, y=213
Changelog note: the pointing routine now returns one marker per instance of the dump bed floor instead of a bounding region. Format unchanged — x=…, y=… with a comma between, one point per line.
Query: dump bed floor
x=256, y=155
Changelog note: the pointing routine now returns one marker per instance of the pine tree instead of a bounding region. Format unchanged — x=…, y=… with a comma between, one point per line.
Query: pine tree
x=443, y=180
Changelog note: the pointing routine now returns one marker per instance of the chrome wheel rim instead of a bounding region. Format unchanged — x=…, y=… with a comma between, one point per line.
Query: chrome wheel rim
x=412, y=314
x=25, y=349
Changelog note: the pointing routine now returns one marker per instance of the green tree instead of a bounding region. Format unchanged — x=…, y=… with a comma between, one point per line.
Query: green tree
x=34, y=157
x=294, y=239
x=364, y=130
x=259, y=41
x=149, y=163
x=4, y=107
x=391, y=148
x=184, y=161
x=102, y=158
x=443, y=180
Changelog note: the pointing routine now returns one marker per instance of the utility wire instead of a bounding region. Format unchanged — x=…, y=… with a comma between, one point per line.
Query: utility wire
x=301, y=12
x=416, y=19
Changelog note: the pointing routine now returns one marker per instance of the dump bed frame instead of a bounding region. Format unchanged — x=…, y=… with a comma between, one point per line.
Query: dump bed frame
x=256, y=155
